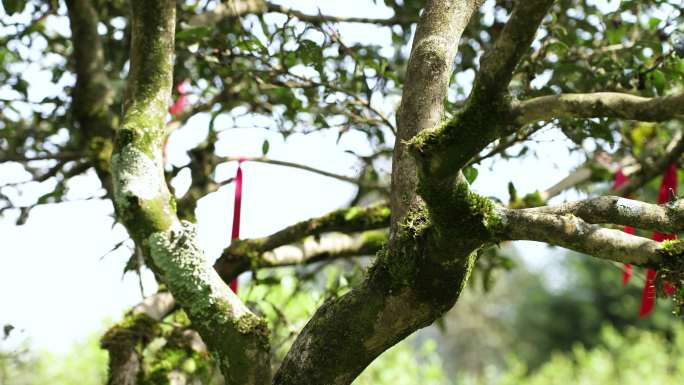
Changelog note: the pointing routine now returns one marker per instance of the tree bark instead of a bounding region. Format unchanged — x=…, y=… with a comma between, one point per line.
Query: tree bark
x=237, y=338
x=348, y=333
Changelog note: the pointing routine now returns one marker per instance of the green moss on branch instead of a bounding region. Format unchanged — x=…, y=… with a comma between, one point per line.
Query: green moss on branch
x=445, y=149
x=346, y=220
x=671, y=272
x=141, y=196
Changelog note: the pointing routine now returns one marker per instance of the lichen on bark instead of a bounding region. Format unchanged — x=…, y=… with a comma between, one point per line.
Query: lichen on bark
x=141, y=196
x=238, y=339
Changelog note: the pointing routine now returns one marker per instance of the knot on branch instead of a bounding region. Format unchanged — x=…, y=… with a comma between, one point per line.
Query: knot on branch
x=431, y=55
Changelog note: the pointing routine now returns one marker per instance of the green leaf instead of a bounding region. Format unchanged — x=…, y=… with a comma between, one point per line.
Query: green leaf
x=22, y=87
x=310, y=52
x=658, y=80
x=653, y=22
x=470, y=174
x=265, y=147
x=193, y=34
x=13, y=6
x=615, y=35
x=512, y=192
x=558, y=47
x=441, y=324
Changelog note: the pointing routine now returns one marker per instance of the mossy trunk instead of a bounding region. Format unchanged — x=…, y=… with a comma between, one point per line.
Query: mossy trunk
x=414, y=280
x=237, y=339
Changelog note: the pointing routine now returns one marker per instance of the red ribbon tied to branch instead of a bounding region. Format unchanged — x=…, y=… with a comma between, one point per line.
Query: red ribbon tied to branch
x=180, y=103
x=669, y=183
x=237, y=207
x=648, y=295
x=176, y=108
x=620, y=179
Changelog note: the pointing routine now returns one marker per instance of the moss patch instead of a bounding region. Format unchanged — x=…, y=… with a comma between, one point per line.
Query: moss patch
x=671, y=273
x=459, y=212
x=374, y=238
x=129, y=333
x=445, y=149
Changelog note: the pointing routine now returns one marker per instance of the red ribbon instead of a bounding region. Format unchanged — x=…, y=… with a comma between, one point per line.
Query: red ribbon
x=178, y=106
x=620, y=179
x=649, y=293
x=237, y=206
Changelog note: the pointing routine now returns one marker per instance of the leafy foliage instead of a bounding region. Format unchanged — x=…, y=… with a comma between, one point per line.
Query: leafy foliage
x=286, y=72
x=295, y=75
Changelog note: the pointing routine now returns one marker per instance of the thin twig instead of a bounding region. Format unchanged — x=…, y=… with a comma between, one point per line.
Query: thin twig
x=320, y=18
x=344, y=178
x=673, y=153
x=63, y=156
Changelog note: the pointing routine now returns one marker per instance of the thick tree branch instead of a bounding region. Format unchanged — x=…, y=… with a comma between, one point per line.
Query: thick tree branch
x=328, y=247
x=429, y=70
x=574, y=225
x=599, y=105
x=407, y=288
x=309, y=250
x=668, y=218
x=574, y=233
x=347, y=220
x=156, y=306
x=237, y=338
x=241, y=253
x=445, y=149
x=499, y=62
x=93, y=95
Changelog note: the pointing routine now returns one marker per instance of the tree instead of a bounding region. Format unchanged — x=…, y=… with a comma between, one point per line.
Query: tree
x=537, y=63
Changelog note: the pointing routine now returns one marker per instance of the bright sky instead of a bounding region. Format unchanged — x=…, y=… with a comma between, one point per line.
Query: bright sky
x=55, y=286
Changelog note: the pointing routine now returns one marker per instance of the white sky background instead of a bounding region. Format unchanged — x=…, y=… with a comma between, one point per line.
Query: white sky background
x=55, y=287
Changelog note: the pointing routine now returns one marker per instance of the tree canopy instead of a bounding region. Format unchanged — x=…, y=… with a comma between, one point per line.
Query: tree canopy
x=464, y=82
